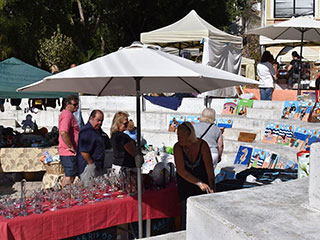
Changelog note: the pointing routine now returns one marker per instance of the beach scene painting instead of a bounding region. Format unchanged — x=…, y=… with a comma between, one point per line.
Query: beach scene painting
x=271, y=133
x=230, y=106
x=257, y=158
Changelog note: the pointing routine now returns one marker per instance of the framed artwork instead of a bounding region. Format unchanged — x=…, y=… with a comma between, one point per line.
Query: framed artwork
x=243, y=156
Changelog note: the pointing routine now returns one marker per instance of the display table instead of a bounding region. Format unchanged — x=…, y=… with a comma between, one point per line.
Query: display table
x=163, y=203
x=24, y=159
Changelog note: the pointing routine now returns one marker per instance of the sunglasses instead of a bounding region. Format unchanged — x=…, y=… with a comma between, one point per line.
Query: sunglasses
x=74, y=104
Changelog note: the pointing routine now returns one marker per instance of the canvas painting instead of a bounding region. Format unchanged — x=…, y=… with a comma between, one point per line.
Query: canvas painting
x=289, y=109
x=230, y=106
x=271, y=160
x=291, y=164
x=243, y=156
x=193, y=119
x=285, y=134
x=302, y=110
x=224, y=123
x=315, y=113
x=175, y=121
x=308, y=112
x=257, y=158
x=271, y=133
x=313, y=137
x=303, y=163
x=300, y=136
x=243, y=105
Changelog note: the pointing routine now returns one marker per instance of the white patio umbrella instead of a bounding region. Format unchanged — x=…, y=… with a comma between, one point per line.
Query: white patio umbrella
x=134, y=70
x=297, y=28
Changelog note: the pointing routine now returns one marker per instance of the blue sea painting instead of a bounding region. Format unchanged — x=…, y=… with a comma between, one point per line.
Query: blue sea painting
x=193, y=119
x=224, y=123
x=289, y=109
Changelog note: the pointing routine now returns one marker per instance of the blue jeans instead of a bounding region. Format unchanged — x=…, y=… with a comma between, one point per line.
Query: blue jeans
x=266, y=93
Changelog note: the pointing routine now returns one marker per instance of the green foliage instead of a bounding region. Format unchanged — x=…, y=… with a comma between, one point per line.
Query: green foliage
x=58, y=50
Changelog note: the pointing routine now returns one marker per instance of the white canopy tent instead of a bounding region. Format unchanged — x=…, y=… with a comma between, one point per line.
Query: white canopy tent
x=308, y=55
x=188, y=31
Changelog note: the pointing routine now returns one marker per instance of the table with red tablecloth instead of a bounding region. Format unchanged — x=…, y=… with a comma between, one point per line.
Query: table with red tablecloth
x=162, y=203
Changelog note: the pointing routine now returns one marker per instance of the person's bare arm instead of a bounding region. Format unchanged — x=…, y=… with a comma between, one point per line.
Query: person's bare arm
x=207, y=159
x=130, y=148
x=87, y=158
x=220, y=147
x=275, y=67
x=66, y=139
x=178, y=159
x=289, y=67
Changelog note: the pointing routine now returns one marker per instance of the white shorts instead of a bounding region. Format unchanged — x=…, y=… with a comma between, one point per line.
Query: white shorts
x=215, y=158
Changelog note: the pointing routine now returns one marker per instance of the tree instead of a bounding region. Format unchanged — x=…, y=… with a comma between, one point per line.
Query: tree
x=58, y=50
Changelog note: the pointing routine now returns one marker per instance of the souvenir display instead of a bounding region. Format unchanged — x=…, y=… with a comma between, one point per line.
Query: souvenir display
x=243, y=156
x=289, y=109
x=257, y=158
x=175, y=121
x=224, y=123
x=271, y=133
x=193, y=119
x=285, y=134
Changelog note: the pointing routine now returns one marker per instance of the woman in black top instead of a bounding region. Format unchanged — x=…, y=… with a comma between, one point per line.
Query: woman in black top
x=193, y=161
x=124, y=149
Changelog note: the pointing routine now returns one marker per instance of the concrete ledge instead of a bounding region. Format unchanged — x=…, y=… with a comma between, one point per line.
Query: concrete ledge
x=275, y=211
x=170, y=236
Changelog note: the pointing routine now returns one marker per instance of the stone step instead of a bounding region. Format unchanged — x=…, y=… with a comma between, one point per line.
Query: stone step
x=8, y=122
x=268, y=104
x=260, y=113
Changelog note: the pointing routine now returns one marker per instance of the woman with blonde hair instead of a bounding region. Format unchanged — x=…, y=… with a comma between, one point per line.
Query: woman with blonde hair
x=124, y=148
x=209, y=132
x=194, y=166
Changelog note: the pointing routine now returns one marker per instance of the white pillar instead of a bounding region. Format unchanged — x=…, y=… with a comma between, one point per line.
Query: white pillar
x=314, y=180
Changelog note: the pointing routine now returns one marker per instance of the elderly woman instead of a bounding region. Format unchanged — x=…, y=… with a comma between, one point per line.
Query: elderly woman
x=124, y=148
x=194, y=166
x=209, y=132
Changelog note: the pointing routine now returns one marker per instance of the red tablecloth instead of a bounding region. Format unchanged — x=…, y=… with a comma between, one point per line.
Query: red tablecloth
x=77, y=220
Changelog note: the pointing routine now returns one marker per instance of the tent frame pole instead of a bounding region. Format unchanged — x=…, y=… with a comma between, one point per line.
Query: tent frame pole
x=139, y=157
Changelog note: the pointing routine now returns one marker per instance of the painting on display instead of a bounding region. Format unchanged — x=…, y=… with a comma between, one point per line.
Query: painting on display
x=224, y=123
x=243, y=156
x=315, y=113
x=291, y=164
x=257, y=158
x=289, y=109
x=281, y=163
x=193, y=119
x=302, y=109
x=271, y=133
x=175, y=121
x=308, y=112
x=230, y=106
x=313, y=137
x=271, y=160
x=285, y=134
x=243, y=105
x=300, y=136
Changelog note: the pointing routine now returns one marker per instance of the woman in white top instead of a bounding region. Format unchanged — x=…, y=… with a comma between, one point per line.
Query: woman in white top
x=267, y=74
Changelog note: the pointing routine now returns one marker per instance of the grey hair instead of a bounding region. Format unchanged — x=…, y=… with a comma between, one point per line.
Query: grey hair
x=208, y=115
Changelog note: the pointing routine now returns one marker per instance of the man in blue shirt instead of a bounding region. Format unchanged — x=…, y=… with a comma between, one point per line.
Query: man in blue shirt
x=91, y=148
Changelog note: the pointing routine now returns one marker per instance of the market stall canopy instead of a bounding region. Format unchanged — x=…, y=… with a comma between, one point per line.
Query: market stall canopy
x=115, y=74
x=15, y=73
x=308, y=55
x=188, y=31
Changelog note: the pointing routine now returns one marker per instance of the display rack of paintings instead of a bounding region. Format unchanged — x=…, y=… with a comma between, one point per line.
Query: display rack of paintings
x=230, y=106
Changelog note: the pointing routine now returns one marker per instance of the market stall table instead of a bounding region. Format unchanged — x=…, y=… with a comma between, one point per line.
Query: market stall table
x=162, y=203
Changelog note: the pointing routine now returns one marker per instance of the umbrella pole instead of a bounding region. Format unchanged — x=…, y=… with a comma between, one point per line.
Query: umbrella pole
x=300, y=62
x=139, y=158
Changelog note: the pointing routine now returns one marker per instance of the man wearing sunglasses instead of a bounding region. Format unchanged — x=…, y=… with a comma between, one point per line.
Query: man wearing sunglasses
x=68, y=139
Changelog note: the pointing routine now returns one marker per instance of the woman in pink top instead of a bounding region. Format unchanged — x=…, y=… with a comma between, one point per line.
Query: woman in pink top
x=68, y=139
